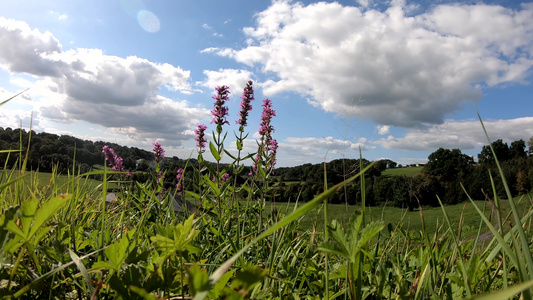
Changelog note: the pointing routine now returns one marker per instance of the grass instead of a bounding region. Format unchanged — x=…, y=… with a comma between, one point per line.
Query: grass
x=409, y=220
x=61, y=182
x=408, y=171
x=72, y=245
x=155, y=256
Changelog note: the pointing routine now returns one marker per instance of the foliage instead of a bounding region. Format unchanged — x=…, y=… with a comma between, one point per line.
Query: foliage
x=76, y=245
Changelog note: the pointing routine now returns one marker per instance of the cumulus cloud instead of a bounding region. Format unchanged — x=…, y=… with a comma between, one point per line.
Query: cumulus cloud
x=461, y=134
x=411, y=69
x=235, y=79
x=88, y=85
x=24, y=49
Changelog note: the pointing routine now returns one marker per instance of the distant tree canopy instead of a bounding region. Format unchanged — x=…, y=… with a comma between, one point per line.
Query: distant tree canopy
x=447, y=174
x=48, y=150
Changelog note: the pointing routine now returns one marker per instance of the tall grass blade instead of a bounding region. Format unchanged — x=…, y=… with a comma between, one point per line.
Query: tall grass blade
x=507, y=293
x=527, y=273
x=12, y=97
x=281, y=223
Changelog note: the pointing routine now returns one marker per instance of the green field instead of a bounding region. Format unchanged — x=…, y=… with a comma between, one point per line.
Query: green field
x=408, y=220
x=408, y=171
x=61, y=242
x=63, y=183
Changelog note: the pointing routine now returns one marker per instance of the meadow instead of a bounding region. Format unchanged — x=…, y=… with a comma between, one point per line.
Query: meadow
x=60, y=239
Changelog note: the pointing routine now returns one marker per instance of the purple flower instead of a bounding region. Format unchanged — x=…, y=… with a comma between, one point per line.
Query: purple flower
x=179, y=178
x=220, y=111
x=200, y=139
x=159, y=152
x=247, y=97
x=265, y=129
x=268, y=146
x=114, y=161
x=225, y=177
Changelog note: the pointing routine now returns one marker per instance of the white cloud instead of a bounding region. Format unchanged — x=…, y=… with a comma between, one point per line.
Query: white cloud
x=461, y=134
x=383, y=129
x=23, y=49
x=411, y=70
x=363, y=3
x=58, y=15
x=88, y=85
x=235, y=79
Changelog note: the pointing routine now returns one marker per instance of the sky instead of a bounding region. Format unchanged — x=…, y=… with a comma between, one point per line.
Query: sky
x=395, y=79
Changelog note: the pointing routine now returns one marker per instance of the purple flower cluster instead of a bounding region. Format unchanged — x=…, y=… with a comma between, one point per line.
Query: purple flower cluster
x=114, y=161
x=247, y=97
x=224, y=178
x=159, y=152
x=265, y=129
x=200, y=139
x=268, y=145
x=179, y=178
x=220, y=111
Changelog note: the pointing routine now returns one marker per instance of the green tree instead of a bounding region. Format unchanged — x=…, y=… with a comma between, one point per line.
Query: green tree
x=501, y=150
x=449, y=168
x=518, y=149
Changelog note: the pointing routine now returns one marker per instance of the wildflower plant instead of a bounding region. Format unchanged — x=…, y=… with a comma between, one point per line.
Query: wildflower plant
x=159, y=153
x=267, y=147
x=114, y=161
x=219, y=112
x=63, y=242
x=200, y=137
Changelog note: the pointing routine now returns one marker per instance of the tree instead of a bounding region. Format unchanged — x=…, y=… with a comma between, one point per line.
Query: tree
x=449, y=168
x=518, y=149
x=501, y=150
x=446, y=164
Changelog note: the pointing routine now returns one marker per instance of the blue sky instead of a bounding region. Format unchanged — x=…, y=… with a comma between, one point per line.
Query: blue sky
x=398, y=79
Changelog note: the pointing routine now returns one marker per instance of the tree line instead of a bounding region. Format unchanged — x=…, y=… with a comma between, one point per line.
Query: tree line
x=448, y=173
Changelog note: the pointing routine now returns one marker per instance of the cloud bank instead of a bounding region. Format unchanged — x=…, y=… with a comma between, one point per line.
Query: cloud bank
x=87, y=85
x=411, y=70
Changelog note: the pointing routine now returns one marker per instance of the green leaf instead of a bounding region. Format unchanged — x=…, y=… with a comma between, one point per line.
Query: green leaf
x=248, y=277
x=213, y=186
x=216, y=291
x=198, y=279
x=230, y=155
x=214, y=151
x=118, y=252
x=176, y=239
x=27, y=287
x=83, y=270
x=28, y=209
x=507, y=293
x=47, y=210
x=195, y=195
x=370, y=231
x=142, y=292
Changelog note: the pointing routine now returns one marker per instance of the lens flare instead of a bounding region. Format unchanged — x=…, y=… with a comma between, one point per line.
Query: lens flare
x=148, y=21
